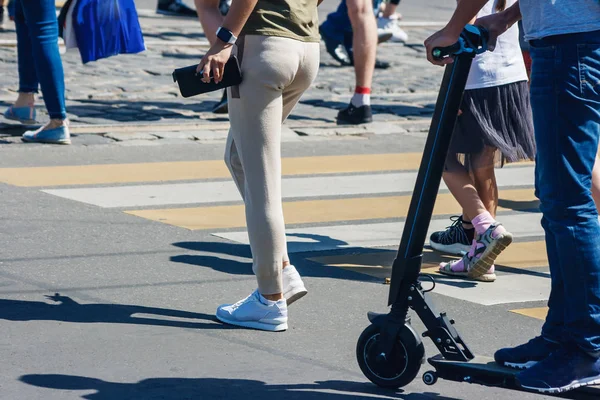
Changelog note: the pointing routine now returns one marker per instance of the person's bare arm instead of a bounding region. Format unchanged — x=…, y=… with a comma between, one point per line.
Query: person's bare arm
x=219, y=53
x=210, y=18
x=465, y=11
x=498, y=23
x=238, y=14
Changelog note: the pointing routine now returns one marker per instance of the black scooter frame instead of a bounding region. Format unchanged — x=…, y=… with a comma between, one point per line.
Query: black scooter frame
x=455, y=362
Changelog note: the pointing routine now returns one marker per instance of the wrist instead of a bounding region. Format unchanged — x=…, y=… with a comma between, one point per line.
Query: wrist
x=221, y=44
x=454, y=29
x=511, y=15
x=225, y=36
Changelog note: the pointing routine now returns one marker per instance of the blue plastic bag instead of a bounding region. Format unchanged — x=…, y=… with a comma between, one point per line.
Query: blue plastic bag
x=105, y=28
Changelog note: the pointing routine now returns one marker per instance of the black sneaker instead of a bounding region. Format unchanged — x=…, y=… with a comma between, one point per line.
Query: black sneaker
x=335, y=49
x=566, y=369
x=455, y=239
x=175, y=8
x=1, y=17
x=355, y=115
x=526, y=355
x=383, y=36
x=221, y=107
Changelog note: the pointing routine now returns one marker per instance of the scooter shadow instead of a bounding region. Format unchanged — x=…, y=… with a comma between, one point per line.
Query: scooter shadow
x=212, y=388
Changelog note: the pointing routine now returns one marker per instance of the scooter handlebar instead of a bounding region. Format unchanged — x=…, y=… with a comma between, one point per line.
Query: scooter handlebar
x=473, y=40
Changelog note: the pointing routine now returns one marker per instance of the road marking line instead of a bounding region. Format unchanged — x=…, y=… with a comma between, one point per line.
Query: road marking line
x=508, y=288
x=522, y=225
x=319, y=211
x=520, y=255
x=192, y=170
x=226, y=191
x=537, y=313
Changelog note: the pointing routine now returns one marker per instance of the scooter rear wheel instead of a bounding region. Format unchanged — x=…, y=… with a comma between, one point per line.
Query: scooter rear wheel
x=398, y=368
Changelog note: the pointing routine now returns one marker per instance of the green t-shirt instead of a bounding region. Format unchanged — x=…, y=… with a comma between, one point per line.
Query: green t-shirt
x=294, y=19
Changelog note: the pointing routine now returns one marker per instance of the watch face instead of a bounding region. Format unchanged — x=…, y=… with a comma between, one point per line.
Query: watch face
x=224, y=35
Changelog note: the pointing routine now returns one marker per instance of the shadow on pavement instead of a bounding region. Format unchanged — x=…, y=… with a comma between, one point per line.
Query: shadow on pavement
x=214, y=388
x=176, y=36
x=243, y=267
x=397, y=109
x=68, y=310
x=361, y=263
x=523, y=206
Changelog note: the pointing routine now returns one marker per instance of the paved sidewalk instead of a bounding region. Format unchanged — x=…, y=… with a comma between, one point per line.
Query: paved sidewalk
x=132, y=99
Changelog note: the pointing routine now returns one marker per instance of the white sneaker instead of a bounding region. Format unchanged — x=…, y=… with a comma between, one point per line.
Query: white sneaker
x=390, y=25
x=251, y=312
x=293, y=287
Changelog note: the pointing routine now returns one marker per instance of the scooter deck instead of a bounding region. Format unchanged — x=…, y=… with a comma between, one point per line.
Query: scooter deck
x=484, y=371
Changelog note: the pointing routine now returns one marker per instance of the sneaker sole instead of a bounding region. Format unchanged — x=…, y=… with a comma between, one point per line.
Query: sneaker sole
x=64, y=141
x=255, y=325
x=456, y=249
x=344, y=122
x=521, y=366
x=483, y=264
x=395, y=40
x=572, y=386
x=384, y=37
x=23, y=121
x=481, y=278
x=294, y=294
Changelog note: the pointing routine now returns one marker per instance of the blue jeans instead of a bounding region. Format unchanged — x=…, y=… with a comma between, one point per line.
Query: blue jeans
x=565, y=98
x=39, y=58
x=338, y=27
x=11, y=8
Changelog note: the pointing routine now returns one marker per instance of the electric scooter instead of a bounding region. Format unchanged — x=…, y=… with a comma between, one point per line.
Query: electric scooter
x=390, y=352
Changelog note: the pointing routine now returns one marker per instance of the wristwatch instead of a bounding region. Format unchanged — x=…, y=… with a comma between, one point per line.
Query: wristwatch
x=226, y=35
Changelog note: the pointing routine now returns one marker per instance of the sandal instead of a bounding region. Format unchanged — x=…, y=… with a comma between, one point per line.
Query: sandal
x=453, y=269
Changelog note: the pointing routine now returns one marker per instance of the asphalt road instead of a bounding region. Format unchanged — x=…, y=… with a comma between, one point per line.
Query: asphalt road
x=115, y=255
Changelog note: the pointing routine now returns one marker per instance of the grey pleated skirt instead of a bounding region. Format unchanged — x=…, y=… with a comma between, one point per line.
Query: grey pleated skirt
x=496, y=119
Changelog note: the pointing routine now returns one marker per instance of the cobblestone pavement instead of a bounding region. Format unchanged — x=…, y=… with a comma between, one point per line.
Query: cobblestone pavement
x=132, y=99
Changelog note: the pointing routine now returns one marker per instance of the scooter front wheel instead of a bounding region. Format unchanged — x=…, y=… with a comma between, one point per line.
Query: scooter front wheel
x=393, y=370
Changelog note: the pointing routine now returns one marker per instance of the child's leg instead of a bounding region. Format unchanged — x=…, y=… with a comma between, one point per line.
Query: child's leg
x=478, y=262
x=484, y=178
x=461, y=186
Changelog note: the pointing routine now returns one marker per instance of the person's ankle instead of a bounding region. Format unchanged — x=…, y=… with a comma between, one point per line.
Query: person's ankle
x=273, y=297
x=56, y=123
x=25, y=100
x=361, y=97
x=286, y=264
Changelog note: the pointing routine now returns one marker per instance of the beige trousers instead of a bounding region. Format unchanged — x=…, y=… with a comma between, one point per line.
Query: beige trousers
x=276, y=71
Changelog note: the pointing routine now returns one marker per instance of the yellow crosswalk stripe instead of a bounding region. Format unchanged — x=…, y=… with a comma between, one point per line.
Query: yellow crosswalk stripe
x=196, y=170
x=537, y=313
x=320, y=211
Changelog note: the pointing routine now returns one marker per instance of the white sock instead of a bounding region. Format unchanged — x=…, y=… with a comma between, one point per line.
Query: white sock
x=359, y=100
